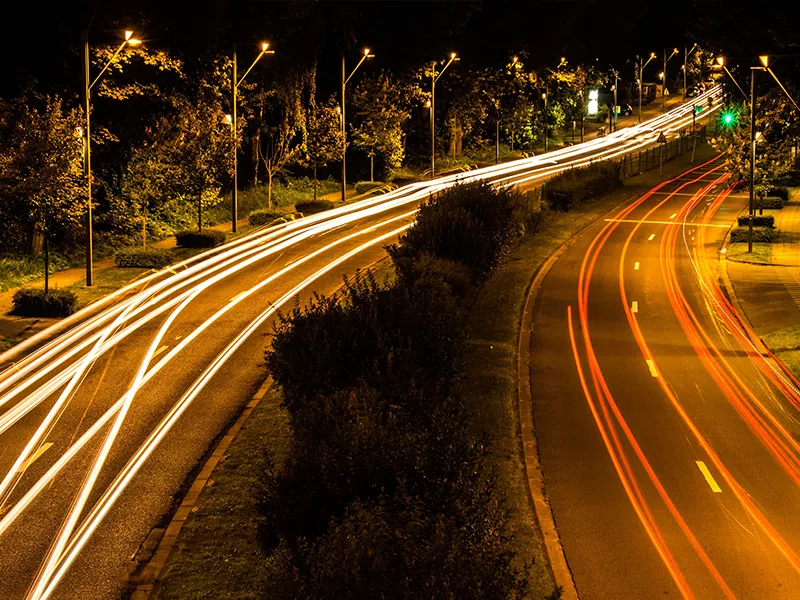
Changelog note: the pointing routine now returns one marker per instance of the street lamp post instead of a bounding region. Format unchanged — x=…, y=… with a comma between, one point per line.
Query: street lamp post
x=686, y=53
x=88, y=84
x=753, y=137
x=235, y=83
x=583, y=112
x=614, y=111
x=664, y=77
x=546, y=145
x=641, y=68
x=721, y=63
x=434, y=79
x=366, y=54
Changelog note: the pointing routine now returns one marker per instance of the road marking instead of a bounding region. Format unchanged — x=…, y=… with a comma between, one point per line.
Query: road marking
x=42, y=449
x=652, y=235
x=159, y=351
x=709, y=477
x=636, y=266
x=177, y=337
x=237, y=296
x=635, y=306
x=652, y=366
x=673, y=215
x=645, y=222
x=171, y=271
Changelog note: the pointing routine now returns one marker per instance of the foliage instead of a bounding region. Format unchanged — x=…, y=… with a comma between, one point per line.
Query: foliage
x=34, y=302
x=324, y=137
x=576, y=186
x=760, y=234
x=780, y=192
x=758, y=221
x=473, y=224
x=381, y=107
x=264, y=216
x=148, y=258
x=770, y=202
x=207, y=238
x=41, y=177
x=17, y=270
x=313, y=206
x=362, y=187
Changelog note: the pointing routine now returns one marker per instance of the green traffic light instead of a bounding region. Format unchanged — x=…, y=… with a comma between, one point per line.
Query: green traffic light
x=729, y=118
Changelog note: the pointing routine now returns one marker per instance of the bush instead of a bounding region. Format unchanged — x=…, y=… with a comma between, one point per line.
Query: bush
x=147, y=258
x=576, y=186
x=780, y=192
x=758, y=221
x=760, y=234
x=33, y=302
x=264, y=216
x=207, y=238
x=770, y=202
x=362, y=187
x=313, y=206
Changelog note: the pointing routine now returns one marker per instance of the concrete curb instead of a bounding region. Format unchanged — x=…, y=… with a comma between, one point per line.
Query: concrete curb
x=148, y=578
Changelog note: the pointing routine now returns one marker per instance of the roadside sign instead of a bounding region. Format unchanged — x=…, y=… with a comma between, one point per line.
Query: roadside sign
x=662, y=139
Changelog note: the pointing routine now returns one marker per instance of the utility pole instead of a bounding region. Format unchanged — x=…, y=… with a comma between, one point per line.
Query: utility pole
x=640, y=89
x=87, y=162
x=235, y=193
x=583, y=112
x=433, y=119
x=546, y=145
x=344, y=140
x=752, y=157
x=616, y=84
x=685, y=58
x=664, y=83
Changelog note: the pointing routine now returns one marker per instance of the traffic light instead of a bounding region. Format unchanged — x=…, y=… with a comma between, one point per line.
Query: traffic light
x=728, y=118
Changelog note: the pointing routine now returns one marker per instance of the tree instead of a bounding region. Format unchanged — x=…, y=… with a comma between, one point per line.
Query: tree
x=324, y=138
x=41, y=174
x=381, y=107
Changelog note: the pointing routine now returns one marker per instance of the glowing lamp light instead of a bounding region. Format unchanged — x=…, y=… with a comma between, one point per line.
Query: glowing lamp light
x=594, y=102
x=764, y=60
x=452, y=56
x=366, y=51
x=128, y=35
x=229, y=119
x=264, y=46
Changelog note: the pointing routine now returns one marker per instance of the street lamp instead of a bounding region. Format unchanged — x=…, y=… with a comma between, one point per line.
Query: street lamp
x=365, y=55
x=88, y=84
x=235, y=83
x=434, y=79
x=544, y=97
x=686, y=53
x=664, y=76
x=721, y=64
x=641, y=68
x=753, y=138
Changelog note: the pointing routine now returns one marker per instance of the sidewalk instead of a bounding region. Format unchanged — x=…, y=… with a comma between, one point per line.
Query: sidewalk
x=786, y=249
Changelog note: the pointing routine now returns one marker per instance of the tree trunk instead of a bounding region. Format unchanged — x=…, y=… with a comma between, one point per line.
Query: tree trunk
x=269, y=188
x=200, y=211
x=372, y=167
x=144, y=228
x=46, y=265
x=315, y=181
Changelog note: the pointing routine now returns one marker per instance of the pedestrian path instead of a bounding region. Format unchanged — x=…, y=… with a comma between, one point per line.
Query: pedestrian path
x=786, y=248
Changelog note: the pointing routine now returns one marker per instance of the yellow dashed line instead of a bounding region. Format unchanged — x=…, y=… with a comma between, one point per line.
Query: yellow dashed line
x=709, y=477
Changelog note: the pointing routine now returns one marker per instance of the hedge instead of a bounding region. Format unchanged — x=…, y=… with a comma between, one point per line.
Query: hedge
x=313, y=206
x=576, y=186
x=147, y=258
x=758, y=221
x=760, y=234
x=771, y=202
x=362, y=187
x=264, y=216
x=780, y=192
x=33, y=302
x=207, y=238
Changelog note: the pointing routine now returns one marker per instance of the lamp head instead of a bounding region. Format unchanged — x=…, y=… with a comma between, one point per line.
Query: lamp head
x=264, y=46
x=675, y=51
x=452, y=56
x=229, y=119
x=427, y=104
x=652, y=55
x=764, y=60
x=721, y=61
x=128, y=35
x=544, y=95
x=134, y=42
x=515, y=60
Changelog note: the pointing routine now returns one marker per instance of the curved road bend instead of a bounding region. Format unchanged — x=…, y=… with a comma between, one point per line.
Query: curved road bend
x=101, y=423
x=669, y=443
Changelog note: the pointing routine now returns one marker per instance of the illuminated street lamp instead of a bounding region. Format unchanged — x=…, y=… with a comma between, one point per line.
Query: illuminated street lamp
x=753, y=138
x=686, y=53
x=639, y=81
x=434, y=79
x=235, y=83
x=364, y=56
x=663, y=75
x=544, y=97
x=721, y=64
x=88, y=84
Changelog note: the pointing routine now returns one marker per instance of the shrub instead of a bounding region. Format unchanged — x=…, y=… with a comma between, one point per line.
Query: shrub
x=264, y=216
x=362, y=187
x=576, y=186
x=760, y=234
x=147, y=258
x=758, y=221
x=33, y=302
x=207, y=238
x=781, y=192
x=770, y=202
x=313, y=206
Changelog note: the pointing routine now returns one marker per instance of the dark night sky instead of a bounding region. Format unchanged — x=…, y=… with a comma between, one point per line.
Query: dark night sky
x=40, y=38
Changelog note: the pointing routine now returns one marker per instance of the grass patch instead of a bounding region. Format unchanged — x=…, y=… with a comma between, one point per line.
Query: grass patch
x=105, y=282
x=784, y=339
x=18, y=270
x=762, y=252
x=218, y=555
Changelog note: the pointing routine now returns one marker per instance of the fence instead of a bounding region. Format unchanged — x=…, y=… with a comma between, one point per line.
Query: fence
x=635, y=163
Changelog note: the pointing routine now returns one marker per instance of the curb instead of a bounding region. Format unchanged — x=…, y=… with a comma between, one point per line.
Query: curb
x=148, y=578
x=757, y=263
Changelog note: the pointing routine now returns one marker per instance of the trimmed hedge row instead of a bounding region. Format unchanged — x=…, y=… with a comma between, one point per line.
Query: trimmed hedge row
x=207, y=238
x=33, y=302
x=584, y=184
x=362, y=187
x=770, y=202
x=760, y=234
x=781, y=192
x=758, y=221
x=146, y=258
x=313, y=206
x=264, y=216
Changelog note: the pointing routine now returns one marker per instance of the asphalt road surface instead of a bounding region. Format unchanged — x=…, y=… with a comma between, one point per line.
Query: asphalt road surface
x=668, y=439
x=103, y=417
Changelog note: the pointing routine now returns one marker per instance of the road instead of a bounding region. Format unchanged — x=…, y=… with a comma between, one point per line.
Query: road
x=668, y=439
x=105, y=415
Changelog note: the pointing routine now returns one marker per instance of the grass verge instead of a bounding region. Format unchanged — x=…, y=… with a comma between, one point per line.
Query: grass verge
x=762, y=252
x=785, y=343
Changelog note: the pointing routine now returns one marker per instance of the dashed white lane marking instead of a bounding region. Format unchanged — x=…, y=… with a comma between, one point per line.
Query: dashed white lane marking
x=636, y=266
x=672, y=216
x=159, y=351
x=709, y=477
x=652, y=366
x=237, y=295
x=42, y=449
x=652, y=235
x=635, y=306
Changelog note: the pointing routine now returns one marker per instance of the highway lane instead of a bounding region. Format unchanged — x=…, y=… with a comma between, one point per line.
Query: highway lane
x=191, y=341
x=671, y=469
